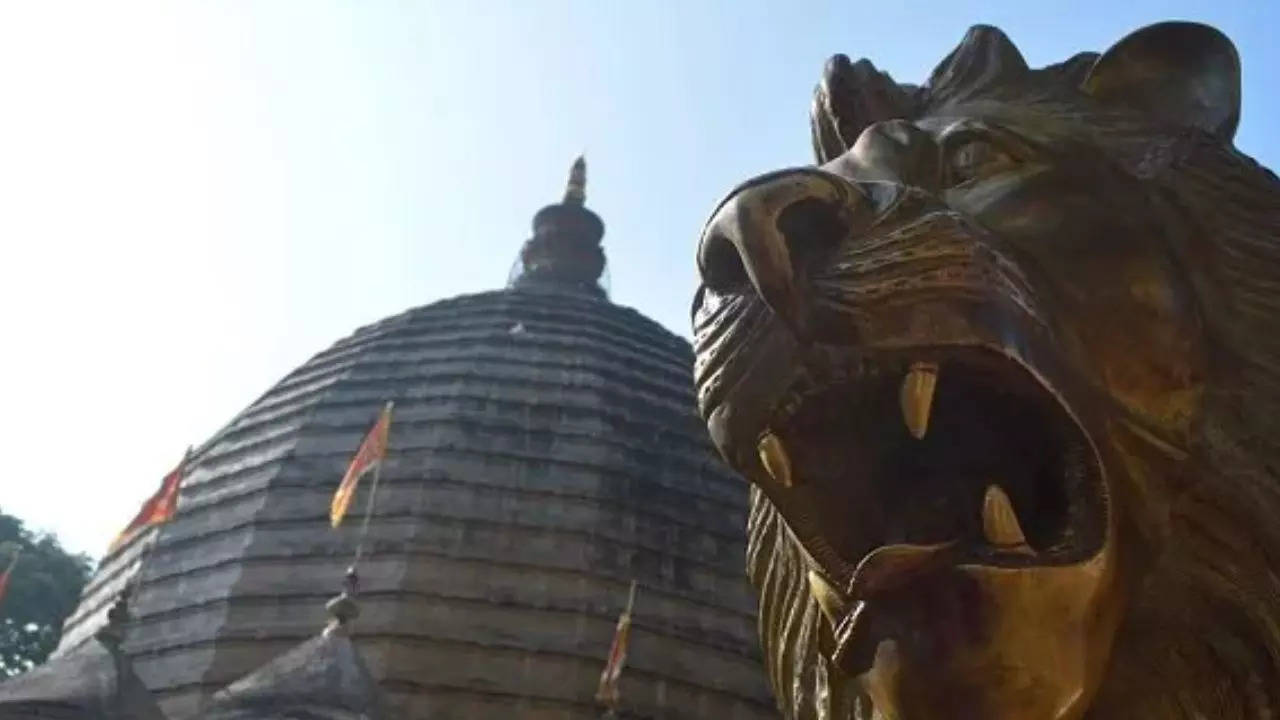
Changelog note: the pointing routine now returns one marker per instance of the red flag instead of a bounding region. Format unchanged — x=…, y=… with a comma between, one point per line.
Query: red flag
x=159, y=508
x=367, y=457
x=608, y=693
x=4, y=578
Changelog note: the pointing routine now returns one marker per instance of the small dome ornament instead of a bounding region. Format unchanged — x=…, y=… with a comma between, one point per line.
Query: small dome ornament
x=343, y=609
x=118, y=617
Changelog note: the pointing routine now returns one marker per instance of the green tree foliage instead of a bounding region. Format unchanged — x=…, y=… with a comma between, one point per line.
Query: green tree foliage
x=43, y=590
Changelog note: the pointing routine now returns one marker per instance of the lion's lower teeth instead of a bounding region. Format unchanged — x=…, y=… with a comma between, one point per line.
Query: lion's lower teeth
x=1000, y=523
x=916, y=397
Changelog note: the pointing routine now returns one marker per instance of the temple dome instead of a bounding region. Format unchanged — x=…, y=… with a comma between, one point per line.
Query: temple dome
x=545, y=451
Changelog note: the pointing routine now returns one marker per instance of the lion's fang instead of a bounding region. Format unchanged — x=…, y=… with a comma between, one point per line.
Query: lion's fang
x=1000, y=523
x=916, y=397
x=832, y=602
x=775, y=459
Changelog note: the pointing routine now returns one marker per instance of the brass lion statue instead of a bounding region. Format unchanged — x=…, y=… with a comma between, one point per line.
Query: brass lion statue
x=1004, y=372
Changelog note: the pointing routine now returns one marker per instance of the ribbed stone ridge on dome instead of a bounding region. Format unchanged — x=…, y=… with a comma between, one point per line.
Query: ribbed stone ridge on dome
x=545, y=452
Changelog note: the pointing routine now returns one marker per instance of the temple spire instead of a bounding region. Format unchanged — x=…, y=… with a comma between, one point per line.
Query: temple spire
x=576, y=191
x=564, y=251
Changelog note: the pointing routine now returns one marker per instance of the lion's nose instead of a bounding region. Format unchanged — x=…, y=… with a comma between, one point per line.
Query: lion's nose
x=763, y=233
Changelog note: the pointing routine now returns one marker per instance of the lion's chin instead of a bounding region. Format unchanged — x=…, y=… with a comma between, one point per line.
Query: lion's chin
x=984, y=642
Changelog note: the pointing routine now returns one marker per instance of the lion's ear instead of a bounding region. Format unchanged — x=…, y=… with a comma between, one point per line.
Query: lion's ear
x=1181, y=72
x=985, y=58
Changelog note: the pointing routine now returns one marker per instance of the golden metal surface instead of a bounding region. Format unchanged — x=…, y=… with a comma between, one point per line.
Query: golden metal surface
x=1078, y=519
x=916, y=397
x=774, y=456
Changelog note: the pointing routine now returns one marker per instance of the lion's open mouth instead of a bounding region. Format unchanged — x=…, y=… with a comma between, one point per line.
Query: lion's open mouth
x=962, y=451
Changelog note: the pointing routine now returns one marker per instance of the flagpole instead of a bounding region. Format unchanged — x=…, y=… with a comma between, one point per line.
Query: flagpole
x=373, y=494
x=368, y=511
x=134, y=581
x=13, y=562
x=631, y=604
x=6, y=576
x=607, y=694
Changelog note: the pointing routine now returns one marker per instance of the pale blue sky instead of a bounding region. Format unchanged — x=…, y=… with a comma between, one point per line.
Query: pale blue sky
x=196, y=197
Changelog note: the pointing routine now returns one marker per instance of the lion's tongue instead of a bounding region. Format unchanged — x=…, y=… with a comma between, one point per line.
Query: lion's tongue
x=892, y=566
x=883, y=570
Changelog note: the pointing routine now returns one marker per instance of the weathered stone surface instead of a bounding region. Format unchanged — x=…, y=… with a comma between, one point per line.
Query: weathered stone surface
x=324, y=678
x=93, y=682
x=544, y=452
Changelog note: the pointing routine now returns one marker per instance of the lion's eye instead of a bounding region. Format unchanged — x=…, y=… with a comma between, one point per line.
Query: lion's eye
x=977, y=159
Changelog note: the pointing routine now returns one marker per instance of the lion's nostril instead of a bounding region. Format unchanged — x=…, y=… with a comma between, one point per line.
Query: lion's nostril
x=721, y=265
x=810, y=226
x=763, y=235
x=805, y=227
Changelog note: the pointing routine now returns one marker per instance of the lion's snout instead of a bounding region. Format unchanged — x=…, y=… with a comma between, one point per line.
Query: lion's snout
x=877, y=261
x=762, y=235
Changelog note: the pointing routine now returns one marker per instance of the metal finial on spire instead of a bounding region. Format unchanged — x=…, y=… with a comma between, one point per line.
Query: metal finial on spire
x=576, y=191
x=343, y=608
x=112, y=633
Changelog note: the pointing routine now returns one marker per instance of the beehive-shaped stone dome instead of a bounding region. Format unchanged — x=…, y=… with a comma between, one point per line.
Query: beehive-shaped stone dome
x=544, y=452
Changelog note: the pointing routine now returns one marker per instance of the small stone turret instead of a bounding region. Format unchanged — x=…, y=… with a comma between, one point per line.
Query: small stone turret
x=324, y=678
x=94, y=682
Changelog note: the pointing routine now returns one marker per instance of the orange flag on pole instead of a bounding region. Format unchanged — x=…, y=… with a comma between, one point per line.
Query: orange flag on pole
x=4, y=578
x=369, y=455
x=159, y=508
x=608, y=692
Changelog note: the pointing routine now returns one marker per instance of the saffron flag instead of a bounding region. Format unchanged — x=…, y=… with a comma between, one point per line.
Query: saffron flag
x=159, y=508
x=367, y=457
x=4, y=578
x=608, y=693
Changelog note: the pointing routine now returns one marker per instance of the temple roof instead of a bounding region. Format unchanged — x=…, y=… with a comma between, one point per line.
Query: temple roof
x=323, y=678
x=93, y=682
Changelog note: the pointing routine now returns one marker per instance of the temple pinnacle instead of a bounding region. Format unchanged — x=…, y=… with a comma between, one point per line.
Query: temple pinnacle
x=565, y=248
x=576, y=191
